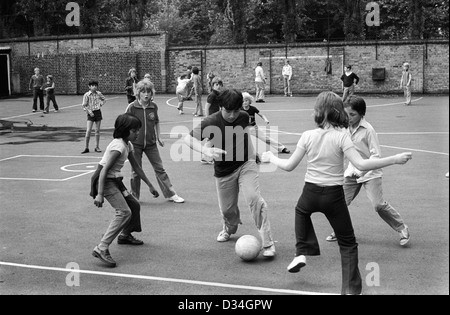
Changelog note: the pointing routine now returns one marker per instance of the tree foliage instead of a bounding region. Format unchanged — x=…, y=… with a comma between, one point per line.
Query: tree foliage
x=230, y=21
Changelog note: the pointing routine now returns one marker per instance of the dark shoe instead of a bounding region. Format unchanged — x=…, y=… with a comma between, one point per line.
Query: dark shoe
x=85, y=151
x=104, y=256
x=285, y=150
x=129, y=240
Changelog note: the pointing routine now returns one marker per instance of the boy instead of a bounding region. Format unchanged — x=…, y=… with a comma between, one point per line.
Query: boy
x=198, y=90
x=405, y=83
x=349, y=80
x=366, y=142
x=252, y=111
x=129, y=85
x=211, y=103
x=182, y=91
x=36, y=83
x=235, y=166
x=92, y=103
x=147, y=142
x=287, y=76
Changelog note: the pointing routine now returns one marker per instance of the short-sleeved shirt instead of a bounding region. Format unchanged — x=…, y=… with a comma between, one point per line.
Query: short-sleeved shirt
x=325, y=155
x=230, y=137
x=252, y=111
x=124, y=149
x=212, y=100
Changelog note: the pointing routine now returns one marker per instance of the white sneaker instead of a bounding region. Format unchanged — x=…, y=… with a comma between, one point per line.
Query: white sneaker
x=176, y=199
x=269, y=251
x=223, y=237
x=404, y=236
x=298, y=263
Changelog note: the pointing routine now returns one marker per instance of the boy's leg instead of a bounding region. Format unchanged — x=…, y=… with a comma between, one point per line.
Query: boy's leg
x=408, y=95
x=47, y=104
x=123, y=214
x=55, y=105
x=35, y=97
x=227, y=195
x=336, y=211
x=97, y=133
x=135, y=180
x=345, y=95
x=164, y=182
x=249, y=183
x=88, y=132
x=374, y=192
x=351, y=189
x=41, y=99
x=198, y=99
x=134, y=225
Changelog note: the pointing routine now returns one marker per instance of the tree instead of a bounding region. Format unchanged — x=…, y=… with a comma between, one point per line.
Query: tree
x=353, y=22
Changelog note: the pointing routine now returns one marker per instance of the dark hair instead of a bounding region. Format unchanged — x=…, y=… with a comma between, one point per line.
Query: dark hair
x=217, y=80
x=357, y=104
x=93, y=82
x=349, y=67
x=183, y=76
x=124, y=123
x=259, y=63
x=230, y=99
x=329, y=109
x=195, y=70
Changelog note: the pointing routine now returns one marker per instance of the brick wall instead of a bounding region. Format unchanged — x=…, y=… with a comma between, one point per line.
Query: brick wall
x=74, y=60
x=429, y=65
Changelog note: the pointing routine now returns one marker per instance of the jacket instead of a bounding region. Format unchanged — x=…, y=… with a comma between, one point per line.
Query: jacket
x=149, y=119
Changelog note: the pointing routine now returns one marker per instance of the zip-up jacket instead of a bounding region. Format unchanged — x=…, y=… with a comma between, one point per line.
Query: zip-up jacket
x=149, y=118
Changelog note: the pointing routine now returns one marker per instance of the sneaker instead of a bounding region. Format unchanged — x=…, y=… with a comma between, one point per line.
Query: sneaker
x=223, y=237
x=97, y=150
x=180, y=112
x=129, y=240
x=298, y=263
x=85, y=151
x=286, y=151
x=404, y=236
x=446, y=175
x=56, y=111
x=104, y=256
x=269, y=251
x=331, y=238
x=176, y=199
x=33, y=111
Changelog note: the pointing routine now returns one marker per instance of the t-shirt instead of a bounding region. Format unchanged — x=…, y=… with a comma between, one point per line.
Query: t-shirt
x=252, y=111
x=325, y=155
x=124, y=149
x=230, y=137
x=212, y=100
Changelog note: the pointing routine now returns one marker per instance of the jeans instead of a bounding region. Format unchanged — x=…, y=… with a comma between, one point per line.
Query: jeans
x=374, y=192
x=245, y=178
x=348, y=91
x=153, y=156
x=38, y=93
x=128, y=214
x=407, y=92
x=50, y=97
x=260, y=91
x=287, y=85
x=331, y=202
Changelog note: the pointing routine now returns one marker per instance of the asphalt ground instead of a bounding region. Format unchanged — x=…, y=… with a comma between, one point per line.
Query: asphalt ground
x=49, y=224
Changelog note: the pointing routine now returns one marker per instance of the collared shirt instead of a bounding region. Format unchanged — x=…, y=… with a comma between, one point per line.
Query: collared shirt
x=366, y=143
x=93, y=100
x=259, y=74
x=287, y=71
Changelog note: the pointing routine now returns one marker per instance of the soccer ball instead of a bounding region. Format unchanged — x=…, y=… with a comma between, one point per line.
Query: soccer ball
x=248, y=247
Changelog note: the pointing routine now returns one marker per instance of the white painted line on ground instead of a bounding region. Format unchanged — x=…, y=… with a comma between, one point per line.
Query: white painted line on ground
x=39, y=112
x=415, y=150
x=162, y=279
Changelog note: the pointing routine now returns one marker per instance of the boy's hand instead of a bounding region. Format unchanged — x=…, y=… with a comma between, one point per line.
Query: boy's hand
x=266, y=156
x=154, y=192
x=99, y=200
x=214, y=153
x=403, y=158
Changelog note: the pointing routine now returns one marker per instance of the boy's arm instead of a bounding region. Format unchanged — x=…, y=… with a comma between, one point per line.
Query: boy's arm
x=207, y=106
x=196, y=145
x=158, y=134
x=356, y=79
x=409, y=79
x=264, y=118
